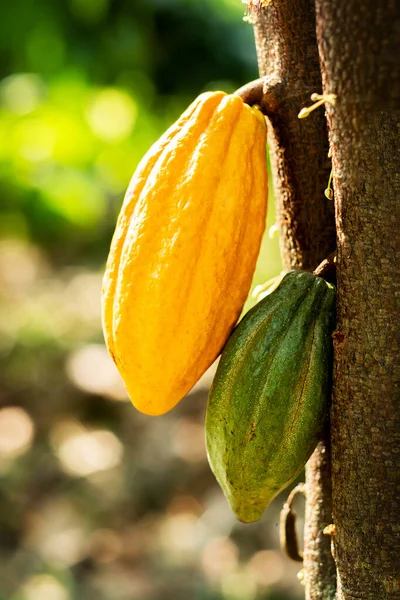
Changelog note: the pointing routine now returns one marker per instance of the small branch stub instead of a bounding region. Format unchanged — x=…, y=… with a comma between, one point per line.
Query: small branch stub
x=287, y=531
x=327, y=268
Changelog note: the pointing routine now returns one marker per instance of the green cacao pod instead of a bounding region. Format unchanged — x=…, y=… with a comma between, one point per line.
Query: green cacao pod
x=269, y=398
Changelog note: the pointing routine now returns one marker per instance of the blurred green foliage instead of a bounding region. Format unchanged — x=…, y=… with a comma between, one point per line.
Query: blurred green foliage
x=96, y=500
x=88, y=86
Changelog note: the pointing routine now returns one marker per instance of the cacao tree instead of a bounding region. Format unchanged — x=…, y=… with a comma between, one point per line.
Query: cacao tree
x=349, y=51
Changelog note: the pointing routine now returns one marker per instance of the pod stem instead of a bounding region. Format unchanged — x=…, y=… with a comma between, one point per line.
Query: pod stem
x=327, y=268
x=265, y=92
x=287, y=530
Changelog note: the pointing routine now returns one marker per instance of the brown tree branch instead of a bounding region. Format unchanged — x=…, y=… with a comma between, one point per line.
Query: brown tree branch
x=320, y=569
x=289, y=63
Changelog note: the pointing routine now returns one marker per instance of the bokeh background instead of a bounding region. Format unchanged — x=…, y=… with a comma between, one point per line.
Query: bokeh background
x=96, y=500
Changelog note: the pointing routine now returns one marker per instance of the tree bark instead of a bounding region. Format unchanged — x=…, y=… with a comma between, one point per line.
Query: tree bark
x=359, y=50
x=288, y=60
x=319, y=566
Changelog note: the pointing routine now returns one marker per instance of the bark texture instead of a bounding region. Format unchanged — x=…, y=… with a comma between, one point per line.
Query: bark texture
x=288, y=60
x=359, y=49
x=319, y=566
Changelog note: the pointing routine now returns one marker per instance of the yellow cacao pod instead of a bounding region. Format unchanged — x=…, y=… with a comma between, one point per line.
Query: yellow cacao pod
x=185, y=248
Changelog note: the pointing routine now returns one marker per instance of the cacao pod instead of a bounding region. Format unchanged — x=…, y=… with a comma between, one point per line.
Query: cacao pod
x=185, y=248
x=270, y=394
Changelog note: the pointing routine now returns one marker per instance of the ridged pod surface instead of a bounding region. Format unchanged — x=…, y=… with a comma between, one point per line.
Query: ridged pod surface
x=271, y=391
x=185, y=248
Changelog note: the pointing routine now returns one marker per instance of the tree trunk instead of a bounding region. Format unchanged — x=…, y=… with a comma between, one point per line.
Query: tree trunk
x=359, y=49
x=288, y=60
